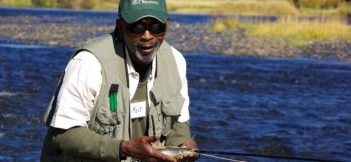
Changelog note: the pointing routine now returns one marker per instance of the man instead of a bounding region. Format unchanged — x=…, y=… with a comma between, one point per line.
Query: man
x=122, y=94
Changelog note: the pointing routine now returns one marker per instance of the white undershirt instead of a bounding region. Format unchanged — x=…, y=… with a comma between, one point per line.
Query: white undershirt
x=82, y=83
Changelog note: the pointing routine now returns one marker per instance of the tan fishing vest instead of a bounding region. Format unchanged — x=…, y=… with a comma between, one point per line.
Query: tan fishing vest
x=166, y=100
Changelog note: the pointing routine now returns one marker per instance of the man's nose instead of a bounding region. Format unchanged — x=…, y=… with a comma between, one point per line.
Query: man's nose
x=147, y=35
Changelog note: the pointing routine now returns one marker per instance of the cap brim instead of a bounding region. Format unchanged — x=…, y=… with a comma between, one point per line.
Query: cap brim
x=135, y=16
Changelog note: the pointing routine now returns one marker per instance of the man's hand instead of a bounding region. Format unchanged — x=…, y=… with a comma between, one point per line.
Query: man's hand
x=190, y=157
x=141, y=148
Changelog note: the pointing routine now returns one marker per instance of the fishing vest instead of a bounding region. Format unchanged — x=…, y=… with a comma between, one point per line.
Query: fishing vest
x=165, y=99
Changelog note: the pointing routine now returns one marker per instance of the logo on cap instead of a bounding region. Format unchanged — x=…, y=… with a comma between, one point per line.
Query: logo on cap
x=138, y=2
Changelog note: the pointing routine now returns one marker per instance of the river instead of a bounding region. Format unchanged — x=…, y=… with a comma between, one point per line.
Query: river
x=295, y=107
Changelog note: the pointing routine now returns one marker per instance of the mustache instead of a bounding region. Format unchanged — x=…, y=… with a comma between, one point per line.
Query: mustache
x=147, y=44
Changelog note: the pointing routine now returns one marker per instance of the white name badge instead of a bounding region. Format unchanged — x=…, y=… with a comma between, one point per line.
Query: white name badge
x=138, y=109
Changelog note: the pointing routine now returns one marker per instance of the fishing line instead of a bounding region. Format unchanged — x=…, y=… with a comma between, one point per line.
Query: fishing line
x=222, y=158
x=260, y=155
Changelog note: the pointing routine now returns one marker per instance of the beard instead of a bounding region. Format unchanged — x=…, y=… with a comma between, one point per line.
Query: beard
x=145, y=59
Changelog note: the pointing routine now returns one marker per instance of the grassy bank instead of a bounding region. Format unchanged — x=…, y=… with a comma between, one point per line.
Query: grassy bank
x=70, y=4
x=195, y=6
x=247, y=40
x=17, y=3
x=288, y=30
x=242, y=7
x=263, y=7
x=299, y=31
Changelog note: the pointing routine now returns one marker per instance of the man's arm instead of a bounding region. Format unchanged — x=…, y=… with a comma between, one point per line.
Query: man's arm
x=180, y=136
x=181, y=130
x=81, y=141
x=181, y=65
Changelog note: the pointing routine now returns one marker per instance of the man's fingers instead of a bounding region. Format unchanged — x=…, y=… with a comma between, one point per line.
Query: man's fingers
x=155, y=154
x=191, y=144
x=167, y=158
x=151, y=139
x=188, y=157
x=141, y=148
x=162, y=159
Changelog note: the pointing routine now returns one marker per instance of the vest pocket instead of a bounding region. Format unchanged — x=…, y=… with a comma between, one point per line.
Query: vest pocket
x=107, y=123
x=171, y=108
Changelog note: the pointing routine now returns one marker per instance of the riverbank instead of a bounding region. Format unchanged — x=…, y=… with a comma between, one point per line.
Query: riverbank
x=189, y=38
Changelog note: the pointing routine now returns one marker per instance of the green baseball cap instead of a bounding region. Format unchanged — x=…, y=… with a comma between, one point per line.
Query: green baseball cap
x=134, y=10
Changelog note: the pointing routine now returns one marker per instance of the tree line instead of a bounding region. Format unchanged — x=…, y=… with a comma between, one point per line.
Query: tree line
x=320, y=4
x=72, y=4
x=91, y=4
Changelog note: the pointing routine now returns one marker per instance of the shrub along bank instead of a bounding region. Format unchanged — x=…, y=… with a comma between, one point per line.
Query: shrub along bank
x=299, y=31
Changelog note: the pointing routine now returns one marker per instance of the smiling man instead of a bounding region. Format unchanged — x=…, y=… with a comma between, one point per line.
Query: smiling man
x=122, y=94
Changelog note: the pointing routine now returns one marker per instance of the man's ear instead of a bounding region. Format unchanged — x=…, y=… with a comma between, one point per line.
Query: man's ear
x=167, y=24
x=119, y=22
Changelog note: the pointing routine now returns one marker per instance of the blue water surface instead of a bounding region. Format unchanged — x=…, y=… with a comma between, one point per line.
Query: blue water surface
x=278, y=106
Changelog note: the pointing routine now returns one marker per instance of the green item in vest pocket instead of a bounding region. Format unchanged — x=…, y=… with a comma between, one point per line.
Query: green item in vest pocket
x=113, y=97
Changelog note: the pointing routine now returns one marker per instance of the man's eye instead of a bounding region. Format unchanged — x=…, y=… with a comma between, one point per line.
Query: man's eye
x=157, y=28
x=138, y=28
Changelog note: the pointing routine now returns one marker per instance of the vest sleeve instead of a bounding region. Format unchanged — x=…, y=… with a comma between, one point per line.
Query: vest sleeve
x=81, y=141
x=179, y=135
x=181, y=65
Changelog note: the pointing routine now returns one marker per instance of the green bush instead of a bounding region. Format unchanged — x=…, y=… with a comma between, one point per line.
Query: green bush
x=39, y=3
x=87, y=4
x=256, y=7
x=345, y=10
x=15, y=2
x=66, y=3
x=53, y=3
x=319, y=4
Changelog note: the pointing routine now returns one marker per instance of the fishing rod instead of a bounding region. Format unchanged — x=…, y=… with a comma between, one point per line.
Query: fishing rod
x=206, y=153
x=178, y=151
x=222, y=158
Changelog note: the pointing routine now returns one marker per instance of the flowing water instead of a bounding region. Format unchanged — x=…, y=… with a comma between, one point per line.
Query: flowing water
x=276, y=106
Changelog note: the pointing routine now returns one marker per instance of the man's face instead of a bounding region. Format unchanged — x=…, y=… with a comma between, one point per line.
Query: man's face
x=143, y=39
